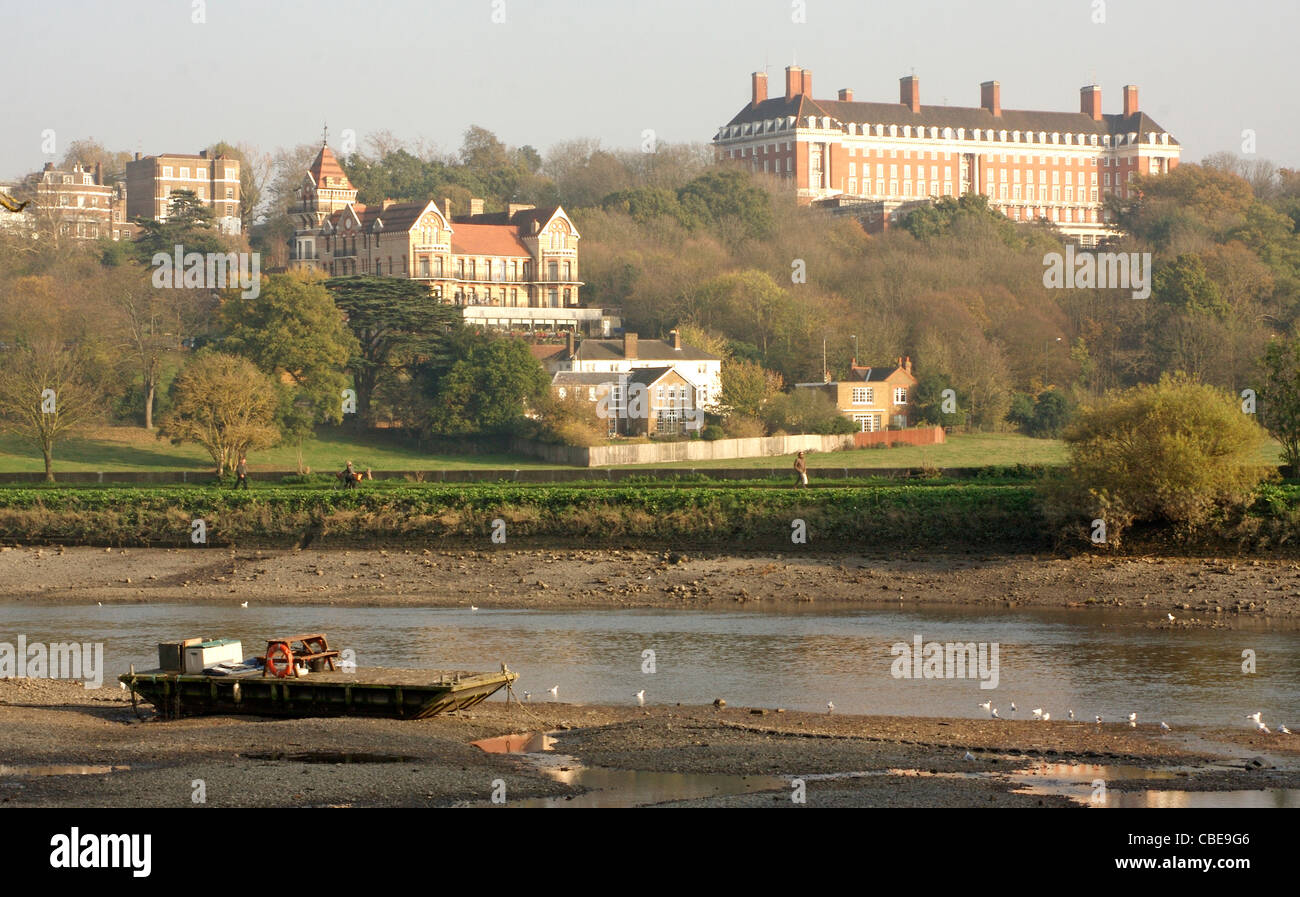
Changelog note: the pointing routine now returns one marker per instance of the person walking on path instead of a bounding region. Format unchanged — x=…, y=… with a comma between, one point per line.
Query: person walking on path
x=800, y=471
x=241, y=473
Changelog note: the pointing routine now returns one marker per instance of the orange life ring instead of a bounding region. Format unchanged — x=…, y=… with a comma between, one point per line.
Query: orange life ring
x=280, y=649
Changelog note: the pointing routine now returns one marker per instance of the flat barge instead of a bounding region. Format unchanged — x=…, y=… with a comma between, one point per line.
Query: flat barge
x=376, y=692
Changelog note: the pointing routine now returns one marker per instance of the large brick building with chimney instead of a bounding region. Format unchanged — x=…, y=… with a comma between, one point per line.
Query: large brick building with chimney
x=1057, y=166
x=214, y=179
x=76, y=203
x=514, y=270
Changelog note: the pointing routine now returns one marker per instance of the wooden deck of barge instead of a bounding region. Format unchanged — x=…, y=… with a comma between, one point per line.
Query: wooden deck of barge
x=402, y=694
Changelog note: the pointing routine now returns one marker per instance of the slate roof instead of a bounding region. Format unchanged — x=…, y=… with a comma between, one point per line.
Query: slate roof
x=647, y=350
x=843, y=112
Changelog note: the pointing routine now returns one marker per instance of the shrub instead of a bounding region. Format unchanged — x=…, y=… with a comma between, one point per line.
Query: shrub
x=1177, y=452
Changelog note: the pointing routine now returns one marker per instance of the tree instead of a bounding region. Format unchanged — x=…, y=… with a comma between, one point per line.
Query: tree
x=1279, y=399
x=293, y=331
x=225, y=404
x=1176, y=452
x=747, y=388
x=929, y=401
x=396, y=323
x=255, y=169
x=491, y=382
x=45, y=391
x=150, y=325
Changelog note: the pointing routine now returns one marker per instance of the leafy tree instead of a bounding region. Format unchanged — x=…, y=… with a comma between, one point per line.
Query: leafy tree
x=928, y=401
x=1051, y=413
x=45, y=391
x=225, y=404
x=747, y=388
x=728, y=194
x=293, y=331
x=488, y=386
x=805, y=411
x=1176, y=452
x=1185, y=285
x=188, y=224
x=396, y=323
x=1279, y=399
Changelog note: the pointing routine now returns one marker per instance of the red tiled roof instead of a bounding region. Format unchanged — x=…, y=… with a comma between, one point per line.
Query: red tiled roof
x=487, y=239
x=326, y=165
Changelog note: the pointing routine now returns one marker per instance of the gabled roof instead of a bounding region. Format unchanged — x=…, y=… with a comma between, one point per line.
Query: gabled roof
x=647, y=350
x=875, y=374
x=651, y=376
x=842, y=112
x=545, y=353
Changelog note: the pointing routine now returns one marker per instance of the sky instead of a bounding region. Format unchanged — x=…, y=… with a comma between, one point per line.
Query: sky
x=145, y=76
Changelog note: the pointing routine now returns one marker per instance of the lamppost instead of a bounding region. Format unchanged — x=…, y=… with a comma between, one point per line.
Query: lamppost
x=1047, y=345
x=854, y=337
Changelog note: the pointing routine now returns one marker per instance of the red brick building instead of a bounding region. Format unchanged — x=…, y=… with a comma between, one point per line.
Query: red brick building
x=1057, y=166
x=151, y=180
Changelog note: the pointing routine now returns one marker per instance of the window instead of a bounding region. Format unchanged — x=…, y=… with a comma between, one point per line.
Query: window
x=185, y=174
x=863, y=395
x=867, y=423
x=900, y=395
x=167, y=171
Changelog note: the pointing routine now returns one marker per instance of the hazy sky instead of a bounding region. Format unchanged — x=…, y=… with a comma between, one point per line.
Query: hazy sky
x=140, y=75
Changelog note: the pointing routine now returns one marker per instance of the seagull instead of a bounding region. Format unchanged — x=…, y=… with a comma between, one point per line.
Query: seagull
x=1283, y=730
x=1171, y=617
x=555, y=691
x=640, y=697
x=528, y=696
x=830, y=706
x=994, y=713
x=1164, y=726
x=1133, y=720
x=1262, y=728
x=1013, y=706
x=987, y=705
x=1255, y=717
x=472, y=608
x=1099, y=719
x=1046, y=717
x=1071, y=713
x=969, y=757
x=245, y=604
x=101, y=604
x=1038, y=713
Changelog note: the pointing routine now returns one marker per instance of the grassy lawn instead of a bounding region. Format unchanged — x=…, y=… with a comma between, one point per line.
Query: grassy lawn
x=132, y=448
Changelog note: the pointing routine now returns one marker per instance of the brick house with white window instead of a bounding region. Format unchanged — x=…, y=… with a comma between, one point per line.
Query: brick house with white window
x=873, y=397
x=1032, y=165
x=701, y=370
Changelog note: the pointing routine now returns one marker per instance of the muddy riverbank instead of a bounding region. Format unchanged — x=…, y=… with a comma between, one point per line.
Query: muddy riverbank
x=1198, y=591
x=107, y=756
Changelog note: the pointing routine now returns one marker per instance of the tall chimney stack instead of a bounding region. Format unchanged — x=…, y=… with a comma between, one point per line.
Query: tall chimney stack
x=676, y=337
x=793, y=81
x=1130, y=99
x=759, y=80
x=446, y=207
x=909, y=92
x=1090, y=101
x=570, y=345
x=846, y=94
x=629, y=346
x=991, y=97
x=806, y=84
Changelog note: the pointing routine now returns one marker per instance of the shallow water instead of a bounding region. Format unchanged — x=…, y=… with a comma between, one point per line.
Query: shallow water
x=1094, y=662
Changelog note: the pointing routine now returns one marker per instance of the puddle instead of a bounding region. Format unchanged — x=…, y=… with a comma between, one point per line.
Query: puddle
x=617, y=787
x=525, y=743
x=329, y=757
x=59, y=770
x=1077, y=782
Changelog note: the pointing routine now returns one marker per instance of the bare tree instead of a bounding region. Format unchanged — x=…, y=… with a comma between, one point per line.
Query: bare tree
x=45, y=391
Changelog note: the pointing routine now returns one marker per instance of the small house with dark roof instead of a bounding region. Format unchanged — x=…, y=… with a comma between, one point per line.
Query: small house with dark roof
x=701, y=369
x=873, y=397
x=650, y=401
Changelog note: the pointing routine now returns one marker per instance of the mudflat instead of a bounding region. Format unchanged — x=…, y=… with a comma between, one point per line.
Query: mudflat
x=1208, y=590
x=67, y=746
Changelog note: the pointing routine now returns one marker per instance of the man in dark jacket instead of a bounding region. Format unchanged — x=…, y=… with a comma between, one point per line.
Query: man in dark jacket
x=241, y=473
